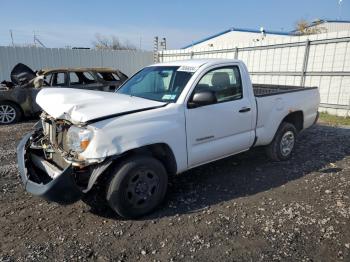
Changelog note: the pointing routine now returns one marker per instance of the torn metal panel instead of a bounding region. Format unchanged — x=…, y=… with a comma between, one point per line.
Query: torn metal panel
x=22, y=75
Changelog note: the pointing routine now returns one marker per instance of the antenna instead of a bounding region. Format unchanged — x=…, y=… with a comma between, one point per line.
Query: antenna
x=263, y=33
x=13, y=43
x=339, y=9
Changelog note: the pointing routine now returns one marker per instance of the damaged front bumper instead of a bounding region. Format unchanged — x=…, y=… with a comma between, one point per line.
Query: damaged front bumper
x=60, y=186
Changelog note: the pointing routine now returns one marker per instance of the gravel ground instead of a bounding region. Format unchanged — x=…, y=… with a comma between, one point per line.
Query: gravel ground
x=243, y=208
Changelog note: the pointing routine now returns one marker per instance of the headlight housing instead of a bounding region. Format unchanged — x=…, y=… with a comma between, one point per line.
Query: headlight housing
x=78, y=138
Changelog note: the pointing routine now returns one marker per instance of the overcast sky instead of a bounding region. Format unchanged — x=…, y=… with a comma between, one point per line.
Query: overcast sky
x=63, y=23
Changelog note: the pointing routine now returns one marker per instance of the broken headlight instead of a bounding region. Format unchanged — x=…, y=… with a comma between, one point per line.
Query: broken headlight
x=78, y=138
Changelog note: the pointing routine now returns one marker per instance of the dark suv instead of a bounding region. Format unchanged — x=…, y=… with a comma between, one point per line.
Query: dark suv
x=17, y=98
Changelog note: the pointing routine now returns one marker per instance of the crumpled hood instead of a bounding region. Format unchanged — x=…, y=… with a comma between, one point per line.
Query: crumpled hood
x=22, y=74
x=80, y=106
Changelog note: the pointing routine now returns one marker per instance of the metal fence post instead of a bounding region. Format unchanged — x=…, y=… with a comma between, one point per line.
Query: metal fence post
x=161, y=56
x=236, y=52
x=305, y=62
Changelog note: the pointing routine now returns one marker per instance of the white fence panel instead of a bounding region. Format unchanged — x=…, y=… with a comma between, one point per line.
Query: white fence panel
x=128, y=62
x=321, y=60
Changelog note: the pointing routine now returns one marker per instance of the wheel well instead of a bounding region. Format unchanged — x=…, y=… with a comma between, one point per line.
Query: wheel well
x=160, y=151
x=295, y=118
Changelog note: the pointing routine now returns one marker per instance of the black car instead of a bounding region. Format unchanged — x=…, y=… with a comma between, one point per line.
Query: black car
x=17, y=98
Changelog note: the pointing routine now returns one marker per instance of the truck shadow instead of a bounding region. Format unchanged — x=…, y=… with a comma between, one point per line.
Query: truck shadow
x=251, y=173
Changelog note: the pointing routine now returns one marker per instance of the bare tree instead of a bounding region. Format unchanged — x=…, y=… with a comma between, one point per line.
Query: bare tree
x=303, y=27
x=111, y=43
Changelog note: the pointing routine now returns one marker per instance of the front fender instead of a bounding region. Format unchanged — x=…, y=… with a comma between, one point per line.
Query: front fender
x=122, y=134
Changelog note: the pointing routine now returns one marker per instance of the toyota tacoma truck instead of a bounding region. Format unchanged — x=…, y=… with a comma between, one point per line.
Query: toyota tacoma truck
x=166, y=119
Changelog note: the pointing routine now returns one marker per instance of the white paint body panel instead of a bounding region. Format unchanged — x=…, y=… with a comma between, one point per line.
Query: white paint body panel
x=117, y=135
x=215, y=133
x=227, y=131
x=176, y=125
x=79, y=106
x=272, y=109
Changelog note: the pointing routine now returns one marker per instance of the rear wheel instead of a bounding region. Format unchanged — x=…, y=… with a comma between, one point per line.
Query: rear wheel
x=9, y=113
x=137, y=186
x=283, y=143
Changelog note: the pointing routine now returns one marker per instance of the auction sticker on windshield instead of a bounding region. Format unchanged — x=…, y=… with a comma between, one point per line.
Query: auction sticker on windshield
x=169, y=97
x=191, y=69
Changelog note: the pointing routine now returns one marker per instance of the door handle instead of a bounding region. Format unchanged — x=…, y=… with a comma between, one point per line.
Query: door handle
x=244, y=109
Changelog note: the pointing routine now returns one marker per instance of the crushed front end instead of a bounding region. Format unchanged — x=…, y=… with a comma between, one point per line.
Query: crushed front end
x=49, y=169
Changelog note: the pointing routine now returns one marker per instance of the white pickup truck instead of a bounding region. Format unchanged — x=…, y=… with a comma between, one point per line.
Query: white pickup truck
x=166, y=119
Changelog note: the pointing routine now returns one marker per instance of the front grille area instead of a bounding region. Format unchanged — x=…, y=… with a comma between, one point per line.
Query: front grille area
x=56, y=132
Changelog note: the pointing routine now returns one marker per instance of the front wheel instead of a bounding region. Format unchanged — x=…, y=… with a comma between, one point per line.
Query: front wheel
x=9, y=113
x=283, y=143
x=137, y=186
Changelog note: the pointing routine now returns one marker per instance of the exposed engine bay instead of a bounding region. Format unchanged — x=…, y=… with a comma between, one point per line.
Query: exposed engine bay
x=52, y=139
x=49, y=156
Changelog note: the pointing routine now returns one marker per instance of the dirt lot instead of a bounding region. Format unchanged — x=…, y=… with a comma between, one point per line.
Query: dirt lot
x=242, y=208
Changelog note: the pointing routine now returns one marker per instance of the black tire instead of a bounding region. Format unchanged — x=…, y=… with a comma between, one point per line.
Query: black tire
x=137, y=186
x=96, y=199
x=10, y=113
x=276, y=149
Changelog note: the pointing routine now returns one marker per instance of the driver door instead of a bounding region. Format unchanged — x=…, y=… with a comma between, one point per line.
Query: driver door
x=224, y=127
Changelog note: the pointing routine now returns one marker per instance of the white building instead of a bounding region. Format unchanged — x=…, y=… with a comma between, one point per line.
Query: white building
x=329, y=26
x=234, y=36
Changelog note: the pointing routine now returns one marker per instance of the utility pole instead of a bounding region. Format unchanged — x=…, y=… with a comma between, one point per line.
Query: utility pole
x=158, y=46
x=163, y=43
x=13, y=43
x=155, y=49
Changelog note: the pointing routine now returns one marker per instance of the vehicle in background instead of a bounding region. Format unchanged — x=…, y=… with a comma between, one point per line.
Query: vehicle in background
x=17, y=98
x=166, y=119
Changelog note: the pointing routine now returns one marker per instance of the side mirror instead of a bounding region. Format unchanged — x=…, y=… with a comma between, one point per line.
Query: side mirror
x=202, y=98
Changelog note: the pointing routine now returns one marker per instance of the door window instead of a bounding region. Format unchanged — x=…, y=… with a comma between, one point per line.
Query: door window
x=74, y=79
x=88, y=78
x=58, y=79
x=224, y=82
x=108, y=76
x=47, y=80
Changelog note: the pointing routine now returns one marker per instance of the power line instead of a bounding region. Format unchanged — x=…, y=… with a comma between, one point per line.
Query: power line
x=37, y=40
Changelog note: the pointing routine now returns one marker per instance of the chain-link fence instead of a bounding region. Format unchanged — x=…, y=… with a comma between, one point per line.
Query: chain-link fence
x=318, y=60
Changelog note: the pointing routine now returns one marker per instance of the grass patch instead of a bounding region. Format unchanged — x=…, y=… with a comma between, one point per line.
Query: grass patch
x=334, y=120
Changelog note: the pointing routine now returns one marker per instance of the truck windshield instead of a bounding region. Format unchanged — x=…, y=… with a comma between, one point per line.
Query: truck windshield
x=160, y=83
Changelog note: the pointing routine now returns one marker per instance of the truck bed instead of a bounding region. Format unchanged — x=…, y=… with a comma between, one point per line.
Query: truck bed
x=269, y=90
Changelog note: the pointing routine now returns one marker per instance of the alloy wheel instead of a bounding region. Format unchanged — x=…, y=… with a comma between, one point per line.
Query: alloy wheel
x=7, y=114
